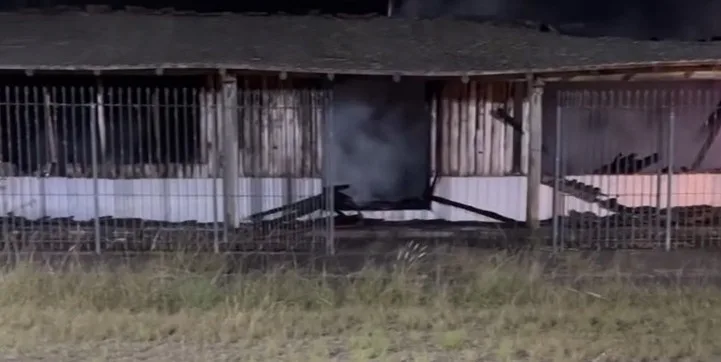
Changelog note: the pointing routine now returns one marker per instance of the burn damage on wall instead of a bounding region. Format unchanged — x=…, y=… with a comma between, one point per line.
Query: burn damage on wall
x=627, y=132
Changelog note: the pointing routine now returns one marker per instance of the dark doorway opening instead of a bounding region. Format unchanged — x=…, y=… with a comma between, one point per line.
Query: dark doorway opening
x=380, y=143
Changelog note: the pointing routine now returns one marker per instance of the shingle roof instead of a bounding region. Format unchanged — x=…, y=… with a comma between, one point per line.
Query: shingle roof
x=123, y=40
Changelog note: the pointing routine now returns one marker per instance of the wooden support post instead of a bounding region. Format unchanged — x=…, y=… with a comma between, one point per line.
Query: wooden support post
x=97, y=129
x=157, y=130
x=518, y=95
x=535, y=143
x=328, y=166
x=102, y=130
x=52, y=136
x=209, y=136
x=208, y=127
x=230, y=148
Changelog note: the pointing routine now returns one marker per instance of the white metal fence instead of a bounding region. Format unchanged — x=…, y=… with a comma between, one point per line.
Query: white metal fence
x=637, y=167
x=117, y=167
x=238, y=166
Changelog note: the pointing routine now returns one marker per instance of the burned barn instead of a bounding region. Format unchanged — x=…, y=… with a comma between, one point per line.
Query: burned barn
x=321, y=128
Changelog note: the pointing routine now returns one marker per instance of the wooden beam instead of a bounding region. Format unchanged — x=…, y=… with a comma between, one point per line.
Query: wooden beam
x=208, y=132
x=102, y=126
x=713, y=125
x=157, y=130
x=535, y=144
x=638, y=76
x=50, y=132
x=209, y=147
x=97, y=118
x=518, y=96
x=328, y=172
x=230, y=148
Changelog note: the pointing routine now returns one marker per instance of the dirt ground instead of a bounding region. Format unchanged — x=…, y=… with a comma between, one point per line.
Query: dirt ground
x=319, y=350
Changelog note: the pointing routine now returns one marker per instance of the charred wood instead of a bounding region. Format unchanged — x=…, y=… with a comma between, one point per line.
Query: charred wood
x=695, y=226
x=311, y=204
x=627, y=165
x=502, y=115
x=681, y=169
x=647, y=216
x=577, y=189
x=712, y=126
x=475, y=210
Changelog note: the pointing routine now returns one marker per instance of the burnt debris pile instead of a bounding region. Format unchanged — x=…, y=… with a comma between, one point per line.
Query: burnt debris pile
x=647, y=216
x=19, y=234
x=304, y=226
x=627, y=164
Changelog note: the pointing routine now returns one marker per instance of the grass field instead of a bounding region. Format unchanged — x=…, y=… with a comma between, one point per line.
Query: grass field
x=494, y=308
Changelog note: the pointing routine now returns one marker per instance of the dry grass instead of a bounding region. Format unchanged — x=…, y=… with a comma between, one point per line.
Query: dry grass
x=494, y=309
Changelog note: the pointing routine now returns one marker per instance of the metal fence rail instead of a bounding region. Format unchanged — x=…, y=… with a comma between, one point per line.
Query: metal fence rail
x=636, y=167
x=111, y=166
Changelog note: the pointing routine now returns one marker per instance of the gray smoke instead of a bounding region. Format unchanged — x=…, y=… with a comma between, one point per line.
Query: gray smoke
x=611, y=131
x=662, y=19
x=380, y=139
x=446, y=8
x=381, y=128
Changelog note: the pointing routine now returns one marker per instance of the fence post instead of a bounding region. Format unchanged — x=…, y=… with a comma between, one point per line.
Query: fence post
x=328, y=171
x=535, y=144
x=97, y=119
x=558, y=201
x=210, y=135
x=669, y=173
x=230, y=149
x=661, y=138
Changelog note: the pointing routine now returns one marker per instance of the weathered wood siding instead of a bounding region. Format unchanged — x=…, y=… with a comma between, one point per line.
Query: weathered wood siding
x=468, y=139
x=280, y=129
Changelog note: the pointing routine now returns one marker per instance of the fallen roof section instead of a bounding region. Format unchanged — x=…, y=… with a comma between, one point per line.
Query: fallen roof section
x=70, y=41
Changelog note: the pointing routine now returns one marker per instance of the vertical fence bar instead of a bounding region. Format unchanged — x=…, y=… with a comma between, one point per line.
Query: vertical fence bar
x=659, y=174
x=94, y=136
x=5, y=193
x=230, y=150
x=24, y=151
x=600, y=110
x=329, y=172
x=557, y=173
x=533, y=186
x=286, y=168
x=669, y=173
x=41, y=152
x=213, y=156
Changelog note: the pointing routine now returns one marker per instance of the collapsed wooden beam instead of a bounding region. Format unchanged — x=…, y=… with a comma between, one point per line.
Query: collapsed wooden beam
x=502, y=115
x=713, y=125
x=310, y=205
x=489, y=214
